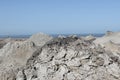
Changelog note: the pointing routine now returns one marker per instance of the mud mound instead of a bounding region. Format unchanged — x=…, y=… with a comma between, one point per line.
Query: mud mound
x=14, y=55
x=110, y=36
x=40, y=39
x=90, y=38
x=71, y=59
x=110, y=41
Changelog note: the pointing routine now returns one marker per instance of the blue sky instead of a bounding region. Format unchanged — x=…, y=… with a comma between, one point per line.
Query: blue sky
x=59, y=16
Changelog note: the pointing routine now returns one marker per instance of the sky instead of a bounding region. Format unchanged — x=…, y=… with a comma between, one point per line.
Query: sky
x=59, y=16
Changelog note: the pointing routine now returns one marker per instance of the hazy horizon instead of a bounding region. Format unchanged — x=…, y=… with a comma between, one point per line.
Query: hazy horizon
x=24, y=17
x=53, y=35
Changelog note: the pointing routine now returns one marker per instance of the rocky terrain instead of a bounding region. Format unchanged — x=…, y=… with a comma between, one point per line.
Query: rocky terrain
x=42, y=57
